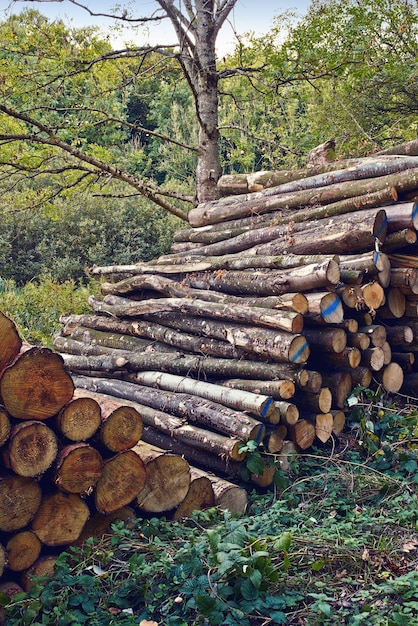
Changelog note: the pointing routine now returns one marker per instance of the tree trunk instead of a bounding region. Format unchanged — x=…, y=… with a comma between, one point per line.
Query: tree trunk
x=326, y=339
x=373, y=358
x=122, y=479
x=259, y=405
x=77, y=469
x=167, y=479
x=80, y=419
x=268, y=282
x=324, y=307
x=43, y=568
x=60, y=518
x=23, y=497
x=36, y=385
x=31, y=449
x=178, y=363
x=377, y=334
x=289, y=412
x=340, y=384
x=122, y=307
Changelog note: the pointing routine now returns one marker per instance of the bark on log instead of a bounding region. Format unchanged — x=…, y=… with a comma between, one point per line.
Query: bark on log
x=277, y=389
x=195, y=410
x=123, y=477
x=320, y=402
x=167, y=479
x=228, y=496
x=173, y=340
x=200, y=496
x=276, y=345
x=31, y=449
x=410, y=385
x=326, y=339
x=361, y=341
x=340, y=384
x=204, y=367
x=77, y=469
x=377, y=334
x=348, y=358
x=373, y=358
x=324, y=307
x=361, y=376
x=23, y=549
x=221, y=465
x=289, y=413
x=60, y=518
x=242, y=206
x=402, y=215
x=121, y=307
x=79, y=419
x=36, y=385
x=176, y=428
x=11, y=342
x=259, y=405
x=268, y=282
x=286, y=455
x=5, y=426
x=399, y=335
x=23, y=497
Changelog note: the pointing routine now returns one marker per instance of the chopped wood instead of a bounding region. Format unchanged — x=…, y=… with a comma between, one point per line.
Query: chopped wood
x=5, y=426
x=36, y=385
x=167, y=479
x=23, y=549
x=277, y=389
x=78, y=467
x=255, y=403
x=228, y=496
x=60, y=518
x=303, y=434
x=11, y=342
x=123, y=477
x=23, y=497
x=43, y=568
x=391, y=377
x=79, y=419
x=323, y=423
x=31, y=448
x=200, y=496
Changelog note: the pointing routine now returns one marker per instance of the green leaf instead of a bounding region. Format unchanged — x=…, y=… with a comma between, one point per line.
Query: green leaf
x=283, y=542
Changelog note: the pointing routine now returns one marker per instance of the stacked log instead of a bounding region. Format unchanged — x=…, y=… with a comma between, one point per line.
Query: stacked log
x=72, y=461
x=291, y=286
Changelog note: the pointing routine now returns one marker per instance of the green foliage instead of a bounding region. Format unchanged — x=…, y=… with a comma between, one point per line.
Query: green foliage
x=79, y=233
x=36, y=307
x=336, y=545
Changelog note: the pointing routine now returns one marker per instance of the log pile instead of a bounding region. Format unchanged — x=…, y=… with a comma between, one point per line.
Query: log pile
x=297, y=286
x=73, y=461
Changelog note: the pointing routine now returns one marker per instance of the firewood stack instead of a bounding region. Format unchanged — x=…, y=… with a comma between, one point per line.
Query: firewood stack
x=73, y=461
x=295, y=285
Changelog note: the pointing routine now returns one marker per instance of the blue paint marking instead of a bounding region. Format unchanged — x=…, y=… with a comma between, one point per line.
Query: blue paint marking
x=376, y=257
x=382, y=228
x=260, y=434
x=331, y=308
x=299, y=352
x=266, y=408
x=414, y=211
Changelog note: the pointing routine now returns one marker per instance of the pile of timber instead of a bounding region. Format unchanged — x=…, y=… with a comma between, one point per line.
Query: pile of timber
x=74, y=461
x=296, y=286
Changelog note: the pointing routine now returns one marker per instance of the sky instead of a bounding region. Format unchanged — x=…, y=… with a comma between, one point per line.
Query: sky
x=248, y=15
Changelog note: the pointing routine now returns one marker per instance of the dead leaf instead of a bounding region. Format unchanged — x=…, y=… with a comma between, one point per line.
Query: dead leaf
x=410, y=545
